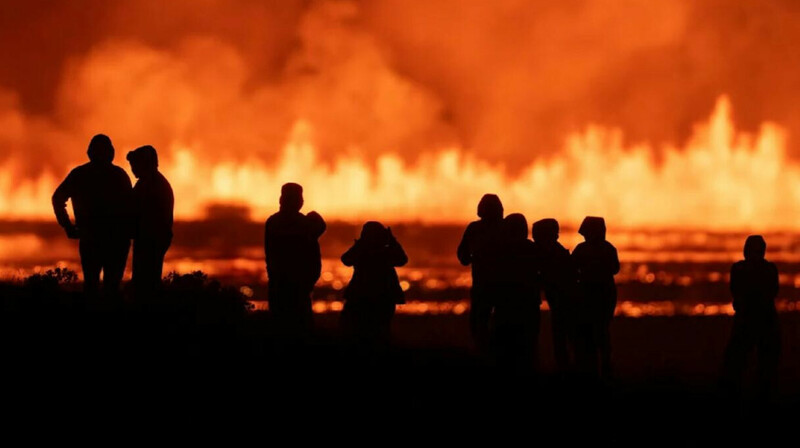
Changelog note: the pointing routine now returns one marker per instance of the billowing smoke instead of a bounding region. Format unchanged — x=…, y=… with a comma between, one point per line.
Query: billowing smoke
x=206, y=91
x=506, y=82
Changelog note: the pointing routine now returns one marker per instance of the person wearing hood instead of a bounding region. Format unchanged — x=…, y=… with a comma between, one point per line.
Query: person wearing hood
x=293, y=259
x=596, y=263
x=481, y=247
x=153, y=205
x=517, y=309
x=559, y=283
x=754, y=287
x=374, y=291
x=101, y=195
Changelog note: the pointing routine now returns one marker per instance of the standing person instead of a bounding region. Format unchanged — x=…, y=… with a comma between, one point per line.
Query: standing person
x=292, y=253
x=597, y=263
x=153, y=204
x=559, y=284
x=374, y=290
x=101, y=193
x=754, y=287
x=517, y=312
x=481, y=247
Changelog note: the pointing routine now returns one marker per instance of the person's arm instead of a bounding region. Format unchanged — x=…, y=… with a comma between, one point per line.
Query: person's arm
x=350, y=257
x=614, y=260
x=169, y=212
x=126, y=211
x=576, y=258
x=397, y=256
x=735, y=286
x=317, y=224
x=60, y=197
x=267, y=245
x=774, y=282
x=464, y=251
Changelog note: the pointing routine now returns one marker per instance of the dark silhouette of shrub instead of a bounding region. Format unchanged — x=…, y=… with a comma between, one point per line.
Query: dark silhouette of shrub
x=209, y=301
x=52, y=278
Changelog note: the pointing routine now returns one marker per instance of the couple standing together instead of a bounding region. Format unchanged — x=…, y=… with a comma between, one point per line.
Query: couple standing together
x=109, y=213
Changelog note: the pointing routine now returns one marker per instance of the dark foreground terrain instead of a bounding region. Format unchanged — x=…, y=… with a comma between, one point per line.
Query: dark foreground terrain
x=199, y=361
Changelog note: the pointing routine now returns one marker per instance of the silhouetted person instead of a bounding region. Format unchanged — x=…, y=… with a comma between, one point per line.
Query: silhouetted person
x=559, y=283
x=481, y=247
x=754, y=286
x=101, y=193
x=517, y=311
x=597, y=263
x=153, y=204
x=374, y=290
x=291, y=249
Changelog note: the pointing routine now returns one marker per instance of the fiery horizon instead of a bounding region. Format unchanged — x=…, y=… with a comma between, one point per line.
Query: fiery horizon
x=720, y=179
x=410, y=112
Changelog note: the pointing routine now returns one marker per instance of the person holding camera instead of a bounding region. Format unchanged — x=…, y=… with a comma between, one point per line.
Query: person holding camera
x=374, y=290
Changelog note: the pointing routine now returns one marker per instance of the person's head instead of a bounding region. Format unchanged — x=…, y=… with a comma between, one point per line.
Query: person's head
x=291, y=197
x=490, y=208
x=374, y=233
x=545, y=230
x=515, y=226
x=755, y=248
x=100, y=149
x=143, y=160
x=593, y=228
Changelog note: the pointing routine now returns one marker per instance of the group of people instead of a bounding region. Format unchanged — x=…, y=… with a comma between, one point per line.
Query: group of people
x=110, y=213
x=510, y=272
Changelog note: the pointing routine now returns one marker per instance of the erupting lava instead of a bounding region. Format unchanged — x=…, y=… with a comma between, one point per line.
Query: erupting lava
x=721, y=179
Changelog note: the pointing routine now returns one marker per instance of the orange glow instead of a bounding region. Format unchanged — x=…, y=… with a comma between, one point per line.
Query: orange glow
x=625, y=309
x=720, y=179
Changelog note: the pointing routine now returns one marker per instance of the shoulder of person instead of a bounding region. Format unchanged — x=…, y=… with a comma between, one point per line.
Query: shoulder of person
x=163, y=180
x=475, y=226
x=608, y=245
x=772, y=265
x=739, y=265
x=79, y=170
x=272, y=218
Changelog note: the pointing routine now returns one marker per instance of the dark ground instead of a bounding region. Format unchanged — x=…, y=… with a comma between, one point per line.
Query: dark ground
x=197, y=362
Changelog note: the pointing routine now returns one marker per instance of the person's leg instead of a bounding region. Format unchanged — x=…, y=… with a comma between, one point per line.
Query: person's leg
x=604, y=341
x=533, y=338
x=736, y=355
x=387, y=311
x=138, y=270
x=769, y=350
x=558, y=324
x=606, y=368
x=480, y=314
x=157, y=271
x=590, y=331
x=115, y=259
x=147, y=264
x=91, y=264
x=302, y=313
